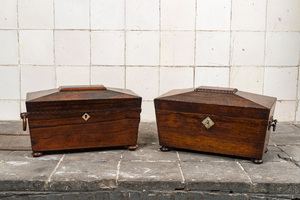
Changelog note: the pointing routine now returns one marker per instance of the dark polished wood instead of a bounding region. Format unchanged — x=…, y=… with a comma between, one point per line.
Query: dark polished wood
x=240, y=120
x=163, y=148
x=37, y=154
x=257, y=161
x=80, y=118
x=132, y=147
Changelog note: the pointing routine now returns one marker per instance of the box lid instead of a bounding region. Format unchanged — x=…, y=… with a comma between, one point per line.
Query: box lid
x=217, y=101
x=81, y=98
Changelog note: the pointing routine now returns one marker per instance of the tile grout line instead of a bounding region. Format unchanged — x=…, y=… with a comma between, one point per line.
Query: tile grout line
x=243, y=169
x=230, y=46
x=19, y=59
x=125, y=38
x=170, y=66
x=119, y=167
x=180, y=169
x=297, y=93
x=54, y=57
x=195, y=44
x=297, y=87
x=54, y=170
x=265, y=47
x=90, y=37
x=138, y=30
x=159, y=48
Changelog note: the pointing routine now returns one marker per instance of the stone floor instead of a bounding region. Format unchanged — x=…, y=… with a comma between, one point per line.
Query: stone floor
x=148, y=173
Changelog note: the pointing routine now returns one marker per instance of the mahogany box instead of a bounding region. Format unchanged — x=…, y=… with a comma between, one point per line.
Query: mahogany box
x=215, y=120
x=78, y=117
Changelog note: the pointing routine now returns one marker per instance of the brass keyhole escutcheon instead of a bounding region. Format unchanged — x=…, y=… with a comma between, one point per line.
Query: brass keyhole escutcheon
x=86, y=116
x=208, y=122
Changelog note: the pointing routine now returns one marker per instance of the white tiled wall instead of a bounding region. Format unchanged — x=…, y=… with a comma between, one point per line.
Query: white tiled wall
x=150, y=47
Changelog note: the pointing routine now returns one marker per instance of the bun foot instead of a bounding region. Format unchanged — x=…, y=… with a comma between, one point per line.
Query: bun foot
x=257, y=161
x=37, y=154
x=163, y=148
x=132, y=147
x=266, y=150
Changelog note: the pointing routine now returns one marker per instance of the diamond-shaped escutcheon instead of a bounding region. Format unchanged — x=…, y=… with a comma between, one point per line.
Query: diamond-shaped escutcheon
x=85, y=116
x=208, y=122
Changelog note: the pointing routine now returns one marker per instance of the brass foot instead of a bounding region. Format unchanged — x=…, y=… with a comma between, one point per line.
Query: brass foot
x=163, y=148
x=37, y=154
x=257, y=161
x=132, y=147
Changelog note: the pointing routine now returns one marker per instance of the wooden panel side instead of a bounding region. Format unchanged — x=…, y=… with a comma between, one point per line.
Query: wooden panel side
x=229, y=136
x=68, y=130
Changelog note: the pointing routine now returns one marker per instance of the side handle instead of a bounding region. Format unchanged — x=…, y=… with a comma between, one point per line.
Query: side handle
x=24, y=118
x=272, y=122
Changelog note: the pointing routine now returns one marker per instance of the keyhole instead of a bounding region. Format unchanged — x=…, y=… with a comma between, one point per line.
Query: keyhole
x=85, y=116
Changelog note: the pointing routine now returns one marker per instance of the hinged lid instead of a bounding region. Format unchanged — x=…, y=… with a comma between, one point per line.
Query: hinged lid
x=81, y=98
x=217, y=101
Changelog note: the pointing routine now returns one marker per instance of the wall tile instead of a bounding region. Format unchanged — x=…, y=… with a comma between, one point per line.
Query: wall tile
x=108, y=76
x=212, y=48
x=10, y=110
x=213, y=15
x=142, y=14
x=142, y=48
x=212, y=76
x=282, y=48
x=8, y=16
x=9, y=82
x=72, y=75
x=71, y=14
x=283, y=15
x=248, y=15
x=34, y=78
x=177, y=48
x=36, y=14
x=23, y=106
x=143, y=81
x=178, y=14
x=72, y=47
x=175, y=78
x=285, y=110
x=36, y=47
x=298, y=112
x=8, y=47
x=298, y=84
x=107, y=14
x=148, y=112
x=248, y=79
x=108, y=48
x=247, y=48
x=281, y=82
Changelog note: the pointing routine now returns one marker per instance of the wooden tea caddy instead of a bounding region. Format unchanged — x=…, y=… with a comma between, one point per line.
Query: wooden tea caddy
x=79, y=117
x=216, y=120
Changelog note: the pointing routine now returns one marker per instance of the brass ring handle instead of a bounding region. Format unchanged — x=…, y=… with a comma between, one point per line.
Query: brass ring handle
x=272, y=122
x=24, y=117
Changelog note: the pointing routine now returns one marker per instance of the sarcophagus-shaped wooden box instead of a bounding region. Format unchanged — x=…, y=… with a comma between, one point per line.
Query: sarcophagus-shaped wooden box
x=82, y=117
x=216, y=120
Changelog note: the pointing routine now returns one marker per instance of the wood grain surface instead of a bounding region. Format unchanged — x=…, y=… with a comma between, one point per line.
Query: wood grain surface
x=56, y=122
x=241, y=121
